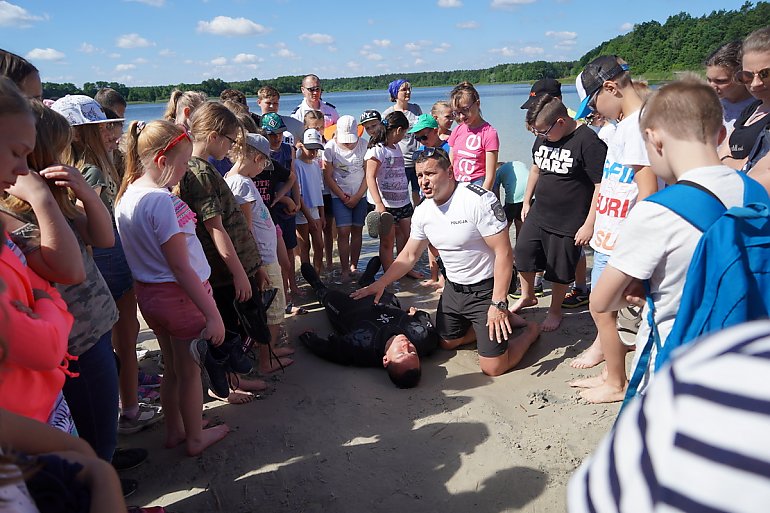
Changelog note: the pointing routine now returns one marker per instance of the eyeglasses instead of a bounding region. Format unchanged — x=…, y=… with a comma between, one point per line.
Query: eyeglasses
x=429, y=152
x=314, y=89
x=232, y=141
x=464, y=111
x=421, y=138
x=181, y=137
x=540, y=133
x=746, y=77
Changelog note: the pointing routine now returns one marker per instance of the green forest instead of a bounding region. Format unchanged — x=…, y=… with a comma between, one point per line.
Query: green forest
x=654, y=50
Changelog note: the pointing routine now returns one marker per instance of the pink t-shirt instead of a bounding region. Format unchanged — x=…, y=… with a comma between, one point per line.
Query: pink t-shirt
x=469, y=147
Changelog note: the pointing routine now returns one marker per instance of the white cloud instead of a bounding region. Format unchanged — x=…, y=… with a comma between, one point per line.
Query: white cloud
x=14, y=16
x=532, y=50
x=227, y=26
x=219, y=61
x=45, y=54
x=382, y=43
x=418, y=61
x=561, y=35
x=141, y=60
x=252, y=66
x=243, y=58
x=509, y=4
x=87, y=48
x=133, y=41
x=442, y=48
x=417, y=46
x=626, y=26
x=564, y=40
x=468, y=25
x=285, y=53
x=317, y=39
x=153, y=3
x=505, y=51
x=331, y=49
x=353, y=64
x=125, y=67
x=113, y=55
x=450, y=3
x=166, y=52
x=374, y=57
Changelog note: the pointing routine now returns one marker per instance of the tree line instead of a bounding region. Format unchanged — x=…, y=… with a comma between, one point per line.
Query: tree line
x=681, y=43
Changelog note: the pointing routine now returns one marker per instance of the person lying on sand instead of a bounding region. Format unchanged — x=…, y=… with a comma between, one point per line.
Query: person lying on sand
x=372, y=334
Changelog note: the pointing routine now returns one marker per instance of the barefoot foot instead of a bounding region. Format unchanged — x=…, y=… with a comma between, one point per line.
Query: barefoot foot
x=552, y=321
x=235, y=397
x=592, y=382
x=516, y=321
x=283, y=351
x=208, y=437
x=522, y=302
x=173, y=440
x=603, y=394
x=251, y=384
x=591, y=357
x=272, y=365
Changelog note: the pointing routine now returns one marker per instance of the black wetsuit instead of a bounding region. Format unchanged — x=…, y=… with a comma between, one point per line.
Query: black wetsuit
x=364, y=328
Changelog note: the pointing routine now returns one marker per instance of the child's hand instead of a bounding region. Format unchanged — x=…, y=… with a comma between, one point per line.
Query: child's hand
x=242, y=287
x=583, y=235
x=214, y=330
x=30, y=188
x=68, y=176
x=262, y=280
x=379, y=207
x=635, y=293
x=291, y=207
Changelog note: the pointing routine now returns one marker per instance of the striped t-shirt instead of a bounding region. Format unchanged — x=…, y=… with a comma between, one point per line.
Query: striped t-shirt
x=699, y=440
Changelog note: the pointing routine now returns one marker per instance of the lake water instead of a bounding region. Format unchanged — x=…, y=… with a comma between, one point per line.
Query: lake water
x=499, y=104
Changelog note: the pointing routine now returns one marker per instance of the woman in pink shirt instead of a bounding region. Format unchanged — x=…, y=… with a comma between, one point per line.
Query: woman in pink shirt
x=474, y=142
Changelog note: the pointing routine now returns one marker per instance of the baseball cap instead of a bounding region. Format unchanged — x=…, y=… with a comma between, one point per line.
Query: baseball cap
x=370, y=115
x=593, y=76
x=424, y=121
x=261, y=144
x=347, y=129
x=312, y=140
x=272, y=123
x=543, y=86
x=80, y=109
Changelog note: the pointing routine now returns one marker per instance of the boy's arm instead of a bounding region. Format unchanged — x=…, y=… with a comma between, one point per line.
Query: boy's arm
x=608, y=294
x=534, y=174
x=585, y=232
x=226, y=250
x=646, y=181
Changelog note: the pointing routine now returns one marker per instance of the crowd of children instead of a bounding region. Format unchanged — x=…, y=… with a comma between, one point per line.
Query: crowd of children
x=200, y=213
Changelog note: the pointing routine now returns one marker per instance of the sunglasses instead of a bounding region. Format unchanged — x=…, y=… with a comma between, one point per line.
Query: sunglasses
x=429, y=152
x=421, y=138
x=746, y=77
x=313, y=89
x=181, y=137
x=541, y=133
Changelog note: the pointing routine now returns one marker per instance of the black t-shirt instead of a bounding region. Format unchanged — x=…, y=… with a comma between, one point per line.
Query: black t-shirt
x=744, y=137
x=569, y=170
x=269, y=181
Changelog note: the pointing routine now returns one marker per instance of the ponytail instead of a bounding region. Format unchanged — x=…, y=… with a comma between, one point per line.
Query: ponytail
x=180, y=100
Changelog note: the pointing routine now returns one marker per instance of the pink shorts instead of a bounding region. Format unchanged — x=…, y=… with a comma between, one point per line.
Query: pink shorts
x=168, y=310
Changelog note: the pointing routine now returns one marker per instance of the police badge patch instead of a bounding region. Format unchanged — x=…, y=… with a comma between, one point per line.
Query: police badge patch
x=497, y=208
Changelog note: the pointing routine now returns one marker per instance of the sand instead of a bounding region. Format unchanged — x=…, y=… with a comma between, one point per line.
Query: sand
x=328, y=438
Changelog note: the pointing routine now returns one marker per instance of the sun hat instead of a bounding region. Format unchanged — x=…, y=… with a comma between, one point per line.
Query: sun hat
x=261, y=144
x=272, y=123
x=370, y=115
x=423, y=121
x=80, y=109
x=543, y=86
x=593, y=76
x=347, y=130
x=312, y=139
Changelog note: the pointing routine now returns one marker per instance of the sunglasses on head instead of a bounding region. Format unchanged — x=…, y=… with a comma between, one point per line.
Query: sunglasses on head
x=429, y=152
x=181, y=137
x=747, y=77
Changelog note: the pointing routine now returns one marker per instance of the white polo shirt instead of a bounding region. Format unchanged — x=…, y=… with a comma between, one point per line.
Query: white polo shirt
x=329, y=112
x=457, y=229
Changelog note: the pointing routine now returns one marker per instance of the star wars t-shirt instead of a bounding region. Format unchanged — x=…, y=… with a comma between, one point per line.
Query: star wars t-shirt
x=569, y=170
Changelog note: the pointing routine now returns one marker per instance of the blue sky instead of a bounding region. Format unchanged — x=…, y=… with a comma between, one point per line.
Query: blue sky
x=152, y=42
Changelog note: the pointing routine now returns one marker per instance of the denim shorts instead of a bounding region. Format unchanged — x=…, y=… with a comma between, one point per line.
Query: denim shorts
x=600, y=262
x=345, y=216
x=114, y=268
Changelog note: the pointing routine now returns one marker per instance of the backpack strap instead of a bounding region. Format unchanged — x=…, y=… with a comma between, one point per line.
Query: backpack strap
x=653, y=339
x=692, y=202
x=753, y=191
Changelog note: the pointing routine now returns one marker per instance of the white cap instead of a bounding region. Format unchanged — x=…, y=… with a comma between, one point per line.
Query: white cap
x=312, y=139
x=81, y=110
x=347, y=130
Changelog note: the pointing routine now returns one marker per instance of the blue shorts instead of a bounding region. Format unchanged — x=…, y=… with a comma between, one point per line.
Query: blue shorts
x=345, y=216
x=600, y=262
x=114, y=268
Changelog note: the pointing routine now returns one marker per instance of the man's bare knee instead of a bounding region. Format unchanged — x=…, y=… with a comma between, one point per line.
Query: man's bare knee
x=494, y=366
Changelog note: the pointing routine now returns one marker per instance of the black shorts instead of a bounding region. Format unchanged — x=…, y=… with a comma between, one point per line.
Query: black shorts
x=538, y=249
x=513, y=211
x=411, y=176
x=288, y=230
x=328, y=212
x=400, y=213
x=458, y=311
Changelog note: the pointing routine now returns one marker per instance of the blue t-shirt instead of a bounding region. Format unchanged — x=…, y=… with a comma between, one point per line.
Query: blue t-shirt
x=513, y=177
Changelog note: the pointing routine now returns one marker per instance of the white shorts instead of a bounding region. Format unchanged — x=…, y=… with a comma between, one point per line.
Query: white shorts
x=301, y=219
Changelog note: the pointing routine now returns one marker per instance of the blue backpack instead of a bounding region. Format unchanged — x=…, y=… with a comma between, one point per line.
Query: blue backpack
x=728, y=280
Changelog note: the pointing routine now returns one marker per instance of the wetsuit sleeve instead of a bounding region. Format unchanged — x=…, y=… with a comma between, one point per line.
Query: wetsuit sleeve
x=353, y=348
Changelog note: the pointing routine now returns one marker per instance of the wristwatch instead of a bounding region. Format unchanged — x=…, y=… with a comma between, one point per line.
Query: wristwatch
x=501, y=305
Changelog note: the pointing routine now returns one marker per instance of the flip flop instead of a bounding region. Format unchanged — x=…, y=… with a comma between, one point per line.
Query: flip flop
x=295, y=310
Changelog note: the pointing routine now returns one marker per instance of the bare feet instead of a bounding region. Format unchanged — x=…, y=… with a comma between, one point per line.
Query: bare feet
x=592, y=382
x=604, y=393
x=521, y=303
x=272, y=365
x=516, y=320
x=432, y=284
x=591, y=357
x=283, y=351
x=235, y=397
x=552, y=321
x=173, y=440
x=251, y=384
x=208, y=437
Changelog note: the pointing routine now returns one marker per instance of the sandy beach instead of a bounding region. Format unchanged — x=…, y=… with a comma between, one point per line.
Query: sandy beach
x=328, y=438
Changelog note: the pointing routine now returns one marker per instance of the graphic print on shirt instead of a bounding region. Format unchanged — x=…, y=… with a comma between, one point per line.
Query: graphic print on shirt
x=617, y=195
x=555, y=160
x=466, y=164
x=184, y=213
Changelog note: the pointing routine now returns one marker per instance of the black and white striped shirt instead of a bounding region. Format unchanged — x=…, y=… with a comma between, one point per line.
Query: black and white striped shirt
x=699, y=440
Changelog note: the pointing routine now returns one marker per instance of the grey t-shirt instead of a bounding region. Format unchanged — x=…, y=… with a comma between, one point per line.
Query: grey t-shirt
x=408, y=144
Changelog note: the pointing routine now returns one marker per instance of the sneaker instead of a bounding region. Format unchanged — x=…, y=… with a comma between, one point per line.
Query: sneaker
x=126, y=459
x=372, y=268
x=145, y=417
x=373, y=224
x=538, y=291
x=629, y=320
x=575, y=298
x=149, y=380
x=214, y=369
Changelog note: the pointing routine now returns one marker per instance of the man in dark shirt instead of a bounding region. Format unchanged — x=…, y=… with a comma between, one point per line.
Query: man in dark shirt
x=370, y=335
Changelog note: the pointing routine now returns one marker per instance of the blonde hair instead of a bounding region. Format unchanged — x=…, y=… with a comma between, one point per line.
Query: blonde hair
x=642, y=88
x=757, y=41
x=313, y=114
x=52, y=138
x=211, y=118
x=180, y=100
x=143, y=143
x=87, y=149
x=462, y=90
x=688, y=108
x=440, y=103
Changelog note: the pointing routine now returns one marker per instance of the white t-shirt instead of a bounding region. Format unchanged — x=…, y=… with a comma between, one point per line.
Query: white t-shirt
x=147, y=218
x=657, y=245
x=262, y=226
x=391, y=176
x=310, y=182
x=457, y=229
x=330, y=113
x=347, y=165
x=618, y=190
